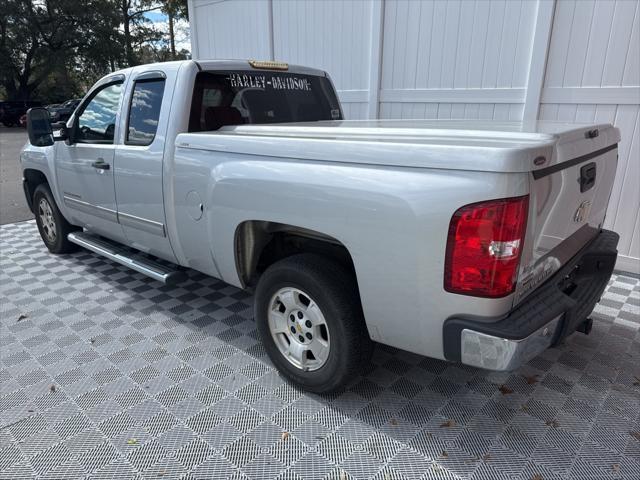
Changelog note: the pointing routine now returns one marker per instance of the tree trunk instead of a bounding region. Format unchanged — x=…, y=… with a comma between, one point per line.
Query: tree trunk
x=172, y=36
x=126, y=19
x=10, y=89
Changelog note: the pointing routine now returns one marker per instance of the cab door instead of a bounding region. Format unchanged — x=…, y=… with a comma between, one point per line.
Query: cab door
x=139, y=163
x=84, y=165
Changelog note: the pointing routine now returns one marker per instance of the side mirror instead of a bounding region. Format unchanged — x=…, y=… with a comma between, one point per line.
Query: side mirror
x=39, y=127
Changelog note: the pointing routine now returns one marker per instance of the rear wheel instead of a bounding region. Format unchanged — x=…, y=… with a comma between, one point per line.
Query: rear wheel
x=310, y=322
x=53, y=227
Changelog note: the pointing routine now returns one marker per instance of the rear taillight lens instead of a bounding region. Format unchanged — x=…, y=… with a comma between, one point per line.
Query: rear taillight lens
x=484, y=246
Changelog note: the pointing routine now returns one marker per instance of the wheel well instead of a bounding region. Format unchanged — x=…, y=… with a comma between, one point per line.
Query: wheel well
x=32, y=178
x=259, y=244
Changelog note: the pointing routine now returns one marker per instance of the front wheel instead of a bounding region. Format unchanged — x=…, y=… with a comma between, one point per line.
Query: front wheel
x=53, y=227
x=310, y=321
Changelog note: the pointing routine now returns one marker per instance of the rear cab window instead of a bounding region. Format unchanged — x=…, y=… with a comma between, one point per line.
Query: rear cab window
x=260, y=97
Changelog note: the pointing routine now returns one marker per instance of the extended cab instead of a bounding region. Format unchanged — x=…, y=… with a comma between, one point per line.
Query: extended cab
x=475, y=242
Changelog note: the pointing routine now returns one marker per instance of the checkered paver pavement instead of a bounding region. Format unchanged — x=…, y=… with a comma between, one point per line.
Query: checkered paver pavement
x=107, y=374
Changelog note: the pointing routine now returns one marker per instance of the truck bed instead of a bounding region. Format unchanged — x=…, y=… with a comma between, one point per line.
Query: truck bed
x=507, y=147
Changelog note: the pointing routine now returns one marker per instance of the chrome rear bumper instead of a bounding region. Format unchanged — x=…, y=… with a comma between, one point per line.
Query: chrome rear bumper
x=554, y=310
x=495, y=353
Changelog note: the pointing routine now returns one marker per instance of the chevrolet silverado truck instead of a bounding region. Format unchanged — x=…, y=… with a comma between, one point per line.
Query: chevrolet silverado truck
x=473, y=242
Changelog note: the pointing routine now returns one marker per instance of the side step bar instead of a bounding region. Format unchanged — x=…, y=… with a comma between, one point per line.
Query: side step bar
x=124, y=257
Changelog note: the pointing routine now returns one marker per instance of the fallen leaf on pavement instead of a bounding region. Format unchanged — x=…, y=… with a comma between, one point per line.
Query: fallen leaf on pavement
x=505, y=390
x=532, y=379
x=615, y=467
x=22, y=317
x=537, y=476
x=444, y=453
x=132, y=441
x=285, y=435
x=552, y=423
x=635, y=435
x=393, y=421
x=448, y=424
x=637, y=382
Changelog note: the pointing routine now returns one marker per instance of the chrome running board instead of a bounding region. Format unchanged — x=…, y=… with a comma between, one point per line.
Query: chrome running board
x=124, y=257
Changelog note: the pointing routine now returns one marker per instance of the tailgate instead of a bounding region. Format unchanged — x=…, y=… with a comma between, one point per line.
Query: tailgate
x=569, y=196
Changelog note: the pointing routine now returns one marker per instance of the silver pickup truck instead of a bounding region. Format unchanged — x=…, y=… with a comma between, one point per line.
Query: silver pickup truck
x=474, y=242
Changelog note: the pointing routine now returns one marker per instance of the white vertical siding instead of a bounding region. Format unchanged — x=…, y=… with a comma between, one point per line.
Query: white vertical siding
x=316, y=33
x=593, y=75
x=454, y=111
x=236, y=29
x=457, y=59
x=456, y=44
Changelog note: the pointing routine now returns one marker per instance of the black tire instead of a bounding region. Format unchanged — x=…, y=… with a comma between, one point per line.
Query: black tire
x=334, y=290
x=56, y=241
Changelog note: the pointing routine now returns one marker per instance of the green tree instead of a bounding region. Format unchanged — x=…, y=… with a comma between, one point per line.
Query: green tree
x=175, y=10
x=58, y=48
x=137, y=29
x=39, y=39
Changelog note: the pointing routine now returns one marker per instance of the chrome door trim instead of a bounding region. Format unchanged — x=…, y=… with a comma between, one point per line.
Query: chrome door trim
x=91, y=209
x=144, y=224
x=126, y=219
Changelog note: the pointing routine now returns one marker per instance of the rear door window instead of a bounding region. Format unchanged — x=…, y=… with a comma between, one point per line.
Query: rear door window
x=250, y=97
x=144, y=111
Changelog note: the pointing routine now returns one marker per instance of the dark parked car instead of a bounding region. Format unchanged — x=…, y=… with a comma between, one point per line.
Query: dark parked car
x=10, y=112
x=52, y=108
x=61, y=113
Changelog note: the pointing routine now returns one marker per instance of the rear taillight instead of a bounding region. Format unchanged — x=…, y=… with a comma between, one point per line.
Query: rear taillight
x=484, y=246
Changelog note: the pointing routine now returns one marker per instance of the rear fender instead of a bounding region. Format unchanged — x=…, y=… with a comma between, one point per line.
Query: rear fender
x=392, y=221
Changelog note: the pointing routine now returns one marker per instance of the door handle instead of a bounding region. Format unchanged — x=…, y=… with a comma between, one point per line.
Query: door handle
x=100, y=164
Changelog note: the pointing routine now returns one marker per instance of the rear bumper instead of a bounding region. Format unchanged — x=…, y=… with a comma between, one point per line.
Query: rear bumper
x=548, y=315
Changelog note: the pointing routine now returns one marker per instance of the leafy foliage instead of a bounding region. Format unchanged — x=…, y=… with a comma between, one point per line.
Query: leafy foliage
x=56, y=49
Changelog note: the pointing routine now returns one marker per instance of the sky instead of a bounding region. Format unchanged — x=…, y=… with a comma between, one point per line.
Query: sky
x=181, y=29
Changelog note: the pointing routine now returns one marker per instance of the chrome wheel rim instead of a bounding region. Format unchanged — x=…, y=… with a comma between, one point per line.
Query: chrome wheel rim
x=46, y=220
x=299, y=329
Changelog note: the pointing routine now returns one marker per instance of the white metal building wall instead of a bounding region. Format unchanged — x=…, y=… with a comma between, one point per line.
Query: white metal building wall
x=567, y=60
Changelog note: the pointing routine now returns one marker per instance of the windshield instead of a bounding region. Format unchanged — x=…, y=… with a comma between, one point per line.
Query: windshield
x=258, y=97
